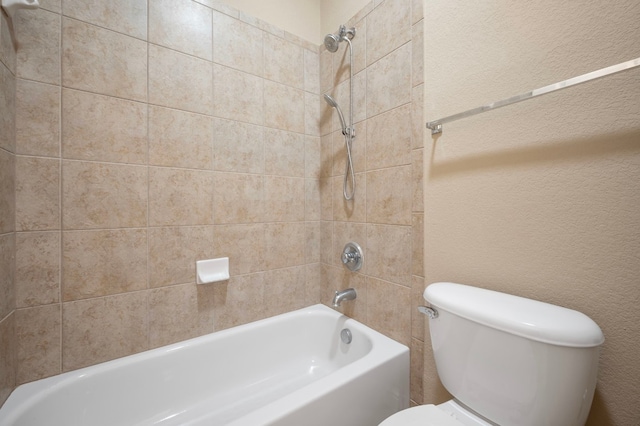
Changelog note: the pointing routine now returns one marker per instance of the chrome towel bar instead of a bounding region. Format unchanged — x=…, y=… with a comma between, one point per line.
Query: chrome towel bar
x=436, y=125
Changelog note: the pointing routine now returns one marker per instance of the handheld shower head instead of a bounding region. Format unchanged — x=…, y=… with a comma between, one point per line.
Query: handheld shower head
x=332, y=103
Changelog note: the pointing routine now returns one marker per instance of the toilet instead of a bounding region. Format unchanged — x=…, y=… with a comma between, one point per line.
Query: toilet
x=507, y=361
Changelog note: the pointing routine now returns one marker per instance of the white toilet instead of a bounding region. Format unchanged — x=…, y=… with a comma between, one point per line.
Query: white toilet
x=507, y=361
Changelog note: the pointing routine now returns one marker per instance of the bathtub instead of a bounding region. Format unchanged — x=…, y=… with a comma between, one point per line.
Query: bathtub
x=291, y=369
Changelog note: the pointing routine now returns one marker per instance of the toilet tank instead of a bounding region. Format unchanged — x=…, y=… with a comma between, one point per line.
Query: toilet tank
x=512, y=360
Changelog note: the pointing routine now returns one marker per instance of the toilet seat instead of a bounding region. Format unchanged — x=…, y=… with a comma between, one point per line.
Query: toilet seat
x=422, y=415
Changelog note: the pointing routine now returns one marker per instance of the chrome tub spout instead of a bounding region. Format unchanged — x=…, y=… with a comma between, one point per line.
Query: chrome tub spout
x=347, y=294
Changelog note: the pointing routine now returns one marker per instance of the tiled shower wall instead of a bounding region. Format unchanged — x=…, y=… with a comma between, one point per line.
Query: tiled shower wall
x=7, y=209
x=386, y=215
x=150, y=135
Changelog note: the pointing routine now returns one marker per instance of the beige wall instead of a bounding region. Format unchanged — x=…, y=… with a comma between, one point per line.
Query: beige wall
x=334, y=13
x=540, y=199
x=299, y=17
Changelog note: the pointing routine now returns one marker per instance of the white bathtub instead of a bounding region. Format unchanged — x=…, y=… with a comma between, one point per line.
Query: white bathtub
x=292, y=369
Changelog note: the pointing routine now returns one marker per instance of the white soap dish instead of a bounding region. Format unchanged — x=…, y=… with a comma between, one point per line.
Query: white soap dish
x=212, y=270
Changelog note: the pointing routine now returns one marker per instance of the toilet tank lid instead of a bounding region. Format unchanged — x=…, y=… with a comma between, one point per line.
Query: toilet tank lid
x=523, y=317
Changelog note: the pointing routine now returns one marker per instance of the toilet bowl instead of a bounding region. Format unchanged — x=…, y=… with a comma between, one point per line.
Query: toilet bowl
x=507, y=361
x=448, y=414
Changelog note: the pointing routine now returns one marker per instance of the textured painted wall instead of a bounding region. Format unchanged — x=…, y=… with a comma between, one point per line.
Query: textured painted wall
x=539, y=199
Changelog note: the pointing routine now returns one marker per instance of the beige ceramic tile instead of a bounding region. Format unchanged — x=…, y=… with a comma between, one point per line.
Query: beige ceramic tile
x=51, y=5
x=313, y=284
x=387, y=310
x=182, y=25
x=389, y=253
x=100, y=195
x=284, y=244
x=326, y=155
x=339, y=278
x=7, y=279
x=7, y=192
x=174, y=315
x=8, y=346
x=284, y=61
x=417, y=232
x=312, y=157
x=346, y=232
x=326, y=70
x=417, y=54
x=417, y=178
x=100, y=263
x=220, y=6
x=388, y=27
x=418, y=120
x=102, y=61
x=38, y=332
x=312, y=72
x=389, y=81
x=326, y=199
x=313, y=110
x=285, y=153
x=37, y=119
x=238, y=147
x=7, y=45
x=102, y=128
x=104, y=328
x=237, y=44
x=180, y=81
x=390, y=195
x=124, y=16
x=246, y=291
x=238, y=95
x=284, y=199
x=417, y=370
x=312, y=203
x=326, y=242
x=173, y=253
x=359, y=43
x=243, y=245
x=7, y=109
x=284, y=107
x=358, y=150
x=180, y=139
x=419, y=321
x=37, y=193
x=37, y=268
x=312, y=242
x=284, y=290
x=389, y=139
x=39, y=55
x=417, y=11
x=354, y=210
x=180, y=197
x=239, y=198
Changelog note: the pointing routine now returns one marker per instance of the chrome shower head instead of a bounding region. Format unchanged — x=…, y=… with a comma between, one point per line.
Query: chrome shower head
x=332, y=41
x=332, y=102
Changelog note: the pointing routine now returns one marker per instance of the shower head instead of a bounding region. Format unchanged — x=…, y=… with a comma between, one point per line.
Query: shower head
x=332, y=41
x=332, y=102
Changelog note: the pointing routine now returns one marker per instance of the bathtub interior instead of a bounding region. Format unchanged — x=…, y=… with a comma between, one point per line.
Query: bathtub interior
x=213, y=379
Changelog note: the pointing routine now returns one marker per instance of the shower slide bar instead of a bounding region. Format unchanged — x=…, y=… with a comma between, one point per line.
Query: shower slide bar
x=436, y=125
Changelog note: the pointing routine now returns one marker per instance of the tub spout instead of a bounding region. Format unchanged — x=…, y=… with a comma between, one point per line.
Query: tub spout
x=347, y=294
